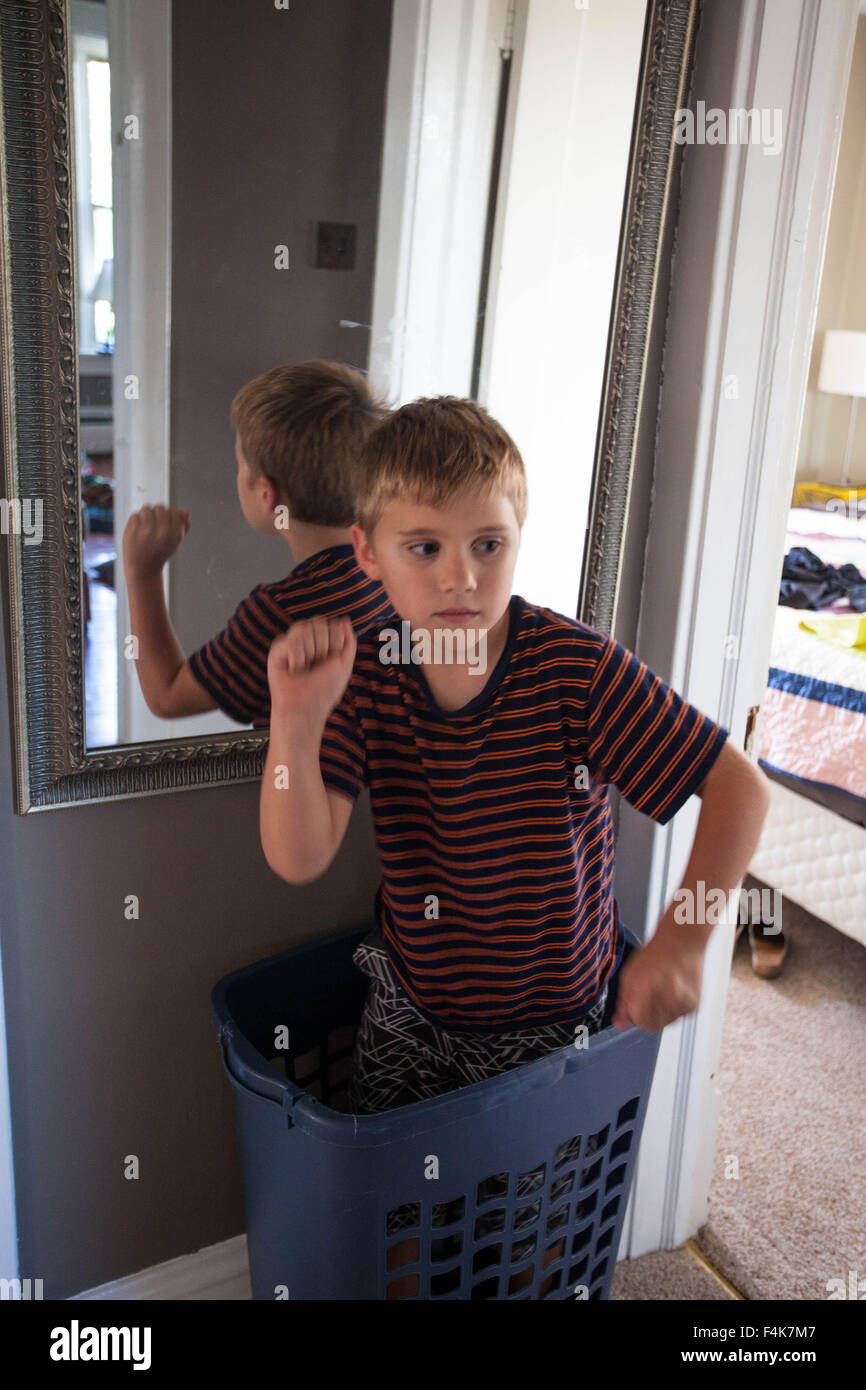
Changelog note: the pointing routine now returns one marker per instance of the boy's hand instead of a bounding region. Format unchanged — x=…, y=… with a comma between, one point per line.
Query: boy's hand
x=309, y=667
x=150, y=538
x=659, y=982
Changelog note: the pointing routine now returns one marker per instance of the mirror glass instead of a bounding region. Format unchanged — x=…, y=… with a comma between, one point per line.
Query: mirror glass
x=430, y=191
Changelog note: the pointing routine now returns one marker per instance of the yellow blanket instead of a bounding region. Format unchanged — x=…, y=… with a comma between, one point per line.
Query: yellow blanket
x=839, y=630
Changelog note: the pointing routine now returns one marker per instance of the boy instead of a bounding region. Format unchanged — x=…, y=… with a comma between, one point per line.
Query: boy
x=499, y=925
x=298, y=431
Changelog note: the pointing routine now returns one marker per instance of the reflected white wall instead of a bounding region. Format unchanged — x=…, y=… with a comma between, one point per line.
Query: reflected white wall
x=552, y=280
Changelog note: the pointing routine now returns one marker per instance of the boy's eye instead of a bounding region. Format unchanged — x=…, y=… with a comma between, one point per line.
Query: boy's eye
x=433, y=546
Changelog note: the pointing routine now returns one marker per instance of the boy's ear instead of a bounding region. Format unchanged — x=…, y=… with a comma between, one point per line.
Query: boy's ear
x=364, y=553
x=271, y=495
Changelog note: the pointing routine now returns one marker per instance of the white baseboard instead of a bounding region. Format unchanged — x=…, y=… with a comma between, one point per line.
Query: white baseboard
x=216, y=1272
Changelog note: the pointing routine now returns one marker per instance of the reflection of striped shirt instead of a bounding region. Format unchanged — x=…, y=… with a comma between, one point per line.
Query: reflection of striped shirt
x=496, y=905
x=233, y=668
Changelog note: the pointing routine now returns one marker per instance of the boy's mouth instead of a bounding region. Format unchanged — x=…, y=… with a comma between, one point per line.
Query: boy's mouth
x=457, y=614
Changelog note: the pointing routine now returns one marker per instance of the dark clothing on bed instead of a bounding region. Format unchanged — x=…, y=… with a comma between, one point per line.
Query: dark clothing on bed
x=807, y=582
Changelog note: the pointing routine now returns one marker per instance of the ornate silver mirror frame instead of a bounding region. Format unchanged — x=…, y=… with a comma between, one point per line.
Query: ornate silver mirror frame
x=40, y=406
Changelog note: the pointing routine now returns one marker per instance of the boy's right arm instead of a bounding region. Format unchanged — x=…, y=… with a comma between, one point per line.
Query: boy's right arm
x=302, y=822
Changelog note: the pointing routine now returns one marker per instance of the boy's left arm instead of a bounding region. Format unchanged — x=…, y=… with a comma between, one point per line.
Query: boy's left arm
x=661, y=981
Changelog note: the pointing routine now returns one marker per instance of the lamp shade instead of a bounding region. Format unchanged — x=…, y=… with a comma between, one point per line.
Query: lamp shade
x=843, y=363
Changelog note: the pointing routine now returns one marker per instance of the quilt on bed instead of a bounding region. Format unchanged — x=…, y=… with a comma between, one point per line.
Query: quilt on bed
x=813, y=732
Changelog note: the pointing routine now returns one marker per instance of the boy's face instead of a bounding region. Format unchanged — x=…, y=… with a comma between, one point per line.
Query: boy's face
x=445, y=567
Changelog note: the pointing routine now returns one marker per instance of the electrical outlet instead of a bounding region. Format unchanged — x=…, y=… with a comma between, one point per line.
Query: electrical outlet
x=335, y=245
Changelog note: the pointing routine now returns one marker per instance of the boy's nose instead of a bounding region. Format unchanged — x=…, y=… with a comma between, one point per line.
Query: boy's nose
x=458, y=579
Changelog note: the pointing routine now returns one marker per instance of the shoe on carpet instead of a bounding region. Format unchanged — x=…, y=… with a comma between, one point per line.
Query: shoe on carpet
x=768, y=948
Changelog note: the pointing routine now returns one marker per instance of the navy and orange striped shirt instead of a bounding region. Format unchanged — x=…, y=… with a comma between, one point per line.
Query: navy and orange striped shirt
x=233, y=667
x=493, y=821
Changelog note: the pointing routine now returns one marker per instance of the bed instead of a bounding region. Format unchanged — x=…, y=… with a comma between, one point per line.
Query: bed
x=813, y=741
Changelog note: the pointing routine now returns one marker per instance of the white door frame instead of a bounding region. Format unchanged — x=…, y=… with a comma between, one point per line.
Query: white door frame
x=736, y=365
x=139, y=54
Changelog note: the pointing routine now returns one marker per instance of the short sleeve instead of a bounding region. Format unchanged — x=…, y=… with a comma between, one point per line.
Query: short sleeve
x=233, y=667
x=343, y=754
x=644, y=738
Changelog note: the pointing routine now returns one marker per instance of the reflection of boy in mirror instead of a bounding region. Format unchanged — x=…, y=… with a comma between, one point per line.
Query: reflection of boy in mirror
x=498, y=933
x=298, y=432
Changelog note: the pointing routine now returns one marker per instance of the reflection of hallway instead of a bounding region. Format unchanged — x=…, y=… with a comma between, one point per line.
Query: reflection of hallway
x=100, y=648
x=792, y=1076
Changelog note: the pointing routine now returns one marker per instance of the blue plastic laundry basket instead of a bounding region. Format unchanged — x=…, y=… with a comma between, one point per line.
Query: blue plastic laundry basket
x=514, y=1187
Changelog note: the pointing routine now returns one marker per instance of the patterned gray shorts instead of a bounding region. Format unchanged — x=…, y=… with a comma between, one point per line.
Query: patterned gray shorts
x=400, y=1057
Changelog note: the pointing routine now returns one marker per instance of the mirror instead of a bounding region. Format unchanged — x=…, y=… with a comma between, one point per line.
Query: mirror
x=452, y=196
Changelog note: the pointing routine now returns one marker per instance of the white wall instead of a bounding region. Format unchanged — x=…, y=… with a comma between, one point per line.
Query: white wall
x=842, y=303
x=552, y=279
x=443, y=83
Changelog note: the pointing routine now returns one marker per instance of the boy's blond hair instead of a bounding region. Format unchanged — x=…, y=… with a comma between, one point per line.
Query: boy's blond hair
x=303, y=425
x=429, y=450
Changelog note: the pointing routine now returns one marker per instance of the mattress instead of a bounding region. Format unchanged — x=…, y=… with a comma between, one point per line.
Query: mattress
x=816, y=859
x=813, y=747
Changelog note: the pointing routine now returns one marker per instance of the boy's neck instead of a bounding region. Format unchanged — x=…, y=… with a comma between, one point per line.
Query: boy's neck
x=306, y=540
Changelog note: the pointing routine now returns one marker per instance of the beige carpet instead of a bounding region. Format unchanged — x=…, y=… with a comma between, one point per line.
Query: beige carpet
x=793, y=1115
x=666, y=1274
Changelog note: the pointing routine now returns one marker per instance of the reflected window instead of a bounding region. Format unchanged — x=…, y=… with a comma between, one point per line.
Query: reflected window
x=95, y=231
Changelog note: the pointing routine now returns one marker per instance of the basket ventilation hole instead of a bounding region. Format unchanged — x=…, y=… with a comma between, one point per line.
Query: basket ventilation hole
x=628, y=1111
x=597, y=1141
x=557, y=1218
x=519, y=1281
x=490, y=1188
x=622, y=1144
x=404, y=1287
x=444, y=1283
x=489, y=1223
x=405, y=1252
x=561, y=1186
x=522, y=1249
x=567, y=1152
x=611, y=1209
x=402, y=1218
x=615, y=1177
x=484, y=1258
x=444, y=1213
x=586, y=1207
x=524, y=1216
x=488, y=1288
x=591, y=1174
x=447, y=1247
x=530, y=1182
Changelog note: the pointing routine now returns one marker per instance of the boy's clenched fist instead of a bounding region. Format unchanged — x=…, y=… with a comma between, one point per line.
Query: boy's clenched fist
x=150, y=538
x=309, y=667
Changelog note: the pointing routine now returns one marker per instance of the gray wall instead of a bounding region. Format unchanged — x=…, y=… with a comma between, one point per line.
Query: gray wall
x=278, y=119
